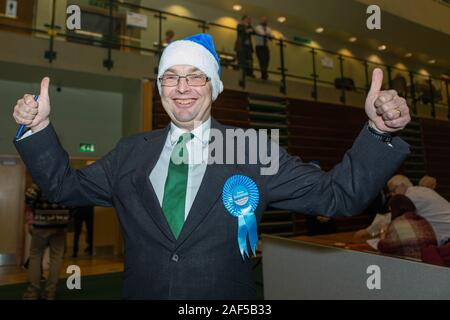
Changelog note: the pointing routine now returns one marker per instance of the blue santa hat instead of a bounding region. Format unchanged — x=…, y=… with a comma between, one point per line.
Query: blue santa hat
x=198, y=51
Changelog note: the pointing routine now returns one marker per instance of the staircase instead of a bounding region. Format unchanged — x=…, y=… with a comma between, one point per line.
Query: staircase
x=267, y=112
x=414, y=166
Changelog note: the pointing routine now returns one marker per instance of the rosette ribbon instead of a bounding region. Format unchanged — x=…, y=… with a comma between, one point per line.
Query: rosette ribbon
x=240, y=197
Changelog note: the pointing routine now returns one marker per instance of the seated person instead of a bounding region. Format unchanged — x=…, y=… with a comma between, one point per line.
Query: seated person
x=408, y=233
x=430, y=205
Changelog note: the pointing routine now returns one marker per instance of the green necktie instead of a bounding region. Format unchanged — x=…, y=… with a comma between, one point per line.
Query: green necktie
x=176, y=183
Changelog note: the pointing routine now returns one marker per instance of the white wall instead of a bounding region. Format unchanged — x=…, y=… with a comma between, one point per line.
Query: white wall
x=429, y=13
x=79, y=116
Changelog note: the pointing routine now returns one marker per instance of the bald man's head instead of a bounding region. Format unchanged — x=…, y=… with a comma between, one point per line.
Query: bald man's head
x=428, y=182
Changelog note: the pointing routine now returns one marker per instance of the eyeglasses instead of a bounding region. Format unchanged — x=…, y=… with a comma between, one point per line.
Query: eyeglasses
x=193, y=80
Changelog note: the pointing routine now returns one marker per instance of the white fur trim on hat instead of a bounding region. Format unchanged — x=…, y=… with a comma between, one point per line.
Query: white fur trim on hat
x=191, y=53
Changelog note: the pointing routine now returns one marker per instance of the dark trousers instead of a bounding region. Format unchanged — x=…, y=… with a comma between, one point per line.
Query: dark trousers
x=245, y=60
x=263, y=54
x=86, y=215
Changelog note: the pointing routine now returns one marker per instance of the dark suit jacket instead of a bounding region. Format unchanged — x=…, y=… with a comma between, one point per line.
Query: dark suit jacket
x=204, y=262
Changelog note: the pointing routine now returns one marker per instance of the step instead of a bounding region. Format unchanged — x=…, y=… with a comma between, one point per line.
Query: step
x=418, y=153
x=267, y=98
x=409, y=168
x=267, y=109
x=414, y=123
x=267, y=115
x=415, y=173
x=264, y=125
x=410, y=131
x=414, y=141
x=267, y=104
x=414, y=163
x=415, y=156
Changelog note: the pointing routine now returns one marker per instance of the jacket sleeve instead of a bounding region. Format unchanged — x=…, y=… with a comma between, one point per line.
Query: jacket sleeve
x=50, y=168
x=345, y=190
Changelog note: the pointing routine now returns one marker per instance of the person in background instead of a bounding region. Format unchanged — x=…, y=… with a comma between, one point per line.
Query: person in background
x=408, y=233
x=399, y=84
x=80, y=215
x=428, y=182
x=263, y=36
x=30, y=194
x=49, y=228
x=430, y=205
x=170, y=34
x=244, y=46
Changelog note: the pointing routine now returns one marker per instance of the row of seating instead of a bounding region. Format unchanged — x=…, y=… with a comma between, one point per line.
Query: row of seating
x=320, y=132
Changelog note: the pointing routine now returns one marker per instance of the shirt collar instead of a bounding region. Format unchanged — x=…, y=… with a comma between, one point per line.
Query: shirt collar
x=198, y=132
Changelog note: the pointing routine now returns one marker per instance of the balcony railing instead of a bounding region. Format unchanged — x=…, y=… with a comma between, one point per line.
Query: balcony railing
x=104, y=24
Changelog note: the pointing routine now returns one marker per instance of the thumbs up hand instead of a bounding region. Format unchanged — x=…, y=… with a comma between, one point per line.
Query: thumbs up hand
x=387, y=111
x=34, y=114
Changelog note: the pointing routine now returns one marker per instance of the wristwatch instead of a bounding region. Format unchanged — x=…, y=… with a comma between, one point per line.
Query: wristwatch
x=385, y=137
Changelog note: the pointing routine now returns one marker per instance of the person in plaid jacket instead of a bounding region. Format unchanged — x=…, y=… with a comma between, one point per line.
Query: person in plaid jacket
x=408, y=233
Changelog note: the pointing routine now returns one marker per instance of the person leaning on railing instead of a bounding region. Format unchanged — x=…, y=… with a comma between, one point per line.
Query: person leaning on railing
x=244, y=46
x=263, y=34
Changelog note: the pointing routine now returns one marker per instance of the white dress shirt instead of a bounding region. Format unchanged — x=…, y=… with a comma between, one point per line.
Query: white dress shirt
x=434, y=208
x=198, y=159
x=259, y=30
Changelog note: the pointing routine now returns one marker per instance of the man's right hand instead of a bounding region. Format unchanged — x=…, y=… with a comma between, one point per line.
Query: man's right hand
x=34, y=114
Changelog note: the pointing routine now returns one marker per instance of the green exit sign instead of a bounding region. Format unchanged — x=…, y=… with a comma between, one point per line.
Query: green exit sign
x=87, y=147
x=302, y=40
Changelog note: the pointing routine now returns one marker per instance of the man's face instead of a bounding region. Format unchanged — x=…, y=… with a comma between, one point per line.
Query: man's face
x=263, y=21
x=186, y=105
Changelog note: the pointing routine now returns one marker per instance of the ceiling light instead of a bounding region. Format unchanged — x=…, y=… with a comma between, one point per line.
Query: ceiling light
x=281, y=19
x=432, y=61
x=237, y=7
x=382, y=47
x=352, y=39
x=320, y=30
x=408, y=55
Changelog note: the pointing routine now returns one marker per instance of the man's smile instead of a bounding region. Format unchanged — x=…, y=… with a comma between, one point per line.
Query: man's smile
x=184, y=103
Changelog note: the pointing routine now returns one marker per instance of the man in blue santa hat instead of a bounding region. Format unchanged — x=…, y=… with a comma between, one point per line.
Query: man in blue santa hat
x=188, y=225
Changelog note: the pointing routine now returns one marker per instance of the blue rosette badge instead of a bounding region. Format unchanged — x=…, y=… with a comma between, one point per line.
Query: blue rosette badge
x=240, y=197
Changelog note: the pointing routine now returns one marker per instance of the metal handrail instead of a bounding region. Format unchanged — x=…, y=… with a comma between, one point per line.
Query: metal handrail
x=110, y=43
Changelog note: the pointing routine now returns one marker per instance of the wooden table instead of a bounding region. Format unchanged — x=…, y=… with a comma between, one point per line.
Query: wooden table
x=341, y=240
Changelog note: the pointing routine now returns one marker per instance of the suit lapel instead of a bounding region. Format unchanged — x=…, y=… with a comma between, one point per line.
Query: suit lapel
x=147, y=159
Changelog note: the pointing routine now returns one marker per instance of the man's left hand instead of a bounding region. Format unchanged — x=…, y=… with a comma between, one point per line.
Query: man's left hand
x=387, y=111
